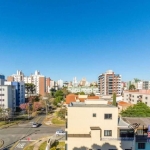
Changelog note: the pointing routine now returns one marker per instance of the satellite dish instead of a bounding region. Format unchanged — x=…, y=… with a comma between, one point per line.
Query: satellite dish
x=134, y=126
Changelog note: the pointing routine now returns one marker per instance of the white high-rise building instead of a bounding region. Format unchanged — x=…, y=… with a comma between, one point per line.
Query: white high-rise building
x=75, y=82
x=60, y=83
x=8, y=97
x=20, y=91
x=37, y=79
x=19, y=76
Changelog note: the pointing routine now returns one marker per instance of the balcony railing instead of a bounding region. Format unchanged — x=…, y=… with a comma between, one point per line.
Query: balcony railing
x=142, y=138
x=118, y=139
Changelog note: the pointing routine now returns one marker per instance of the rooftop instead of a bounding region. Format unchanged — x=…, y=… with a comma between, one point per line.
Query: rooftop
x=82, y=104
x=140, y=120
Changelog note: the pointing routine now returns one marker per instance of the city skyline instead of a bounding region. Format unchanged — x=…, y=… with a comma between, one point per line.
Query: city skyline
x=75, y=38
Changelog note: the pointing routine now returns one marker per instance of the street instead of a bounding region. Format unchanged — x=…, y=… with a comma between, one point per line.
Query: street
x=25, y=133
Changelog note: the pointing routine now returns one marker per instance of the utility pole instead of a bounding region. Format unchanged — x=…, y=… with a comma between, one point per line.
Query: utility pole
x=45, y=98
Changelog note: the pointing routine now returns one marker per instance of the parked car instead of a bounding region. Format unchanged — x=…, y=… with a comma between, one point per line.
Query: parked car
x=60, y=132
x=34, y=125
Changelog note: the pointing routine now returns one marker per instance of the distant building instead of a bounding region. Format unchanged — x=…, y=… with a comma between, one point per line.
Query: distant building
x=8, y=97
x=75, y=82
x=20, y=91
x=109, y=83
x=86, y=90
x=79, y=98
x=60, y=83
x=136, y=96
x=40, y=81
x=2, y=79
x=16, y=77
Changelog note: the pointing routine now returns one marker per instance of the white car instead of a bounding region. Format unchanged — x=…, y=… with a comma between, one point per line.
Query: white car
x=34, y=125
x=60, y=132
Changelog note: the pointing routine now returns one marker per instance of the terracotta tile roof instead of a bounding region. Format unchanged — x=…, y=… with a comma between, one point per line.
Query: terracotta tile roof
x=122, y=103
x=93, y=97
x=71, y=98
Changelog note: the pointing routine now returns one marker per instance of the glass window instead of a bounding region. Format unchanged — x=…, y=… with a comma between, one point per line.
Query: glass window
x=108, y=116
x=107, y=132
x=141, y=145
x=94, y=115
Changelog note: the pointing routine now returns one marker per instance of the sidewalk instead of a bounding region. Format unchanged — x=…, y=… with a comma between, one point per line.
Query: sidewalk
x=37, y=144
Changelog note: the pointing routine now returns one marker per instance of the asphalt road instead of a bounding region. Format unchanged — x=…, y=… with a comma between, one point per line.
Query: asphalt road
x=25, y=132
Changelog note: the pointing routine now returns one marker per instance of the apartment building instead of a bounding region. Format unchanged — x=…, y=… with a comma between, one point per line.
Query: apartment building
x=20, y=91
x=40, y=81
x=136, y=96
x=95, y=126
x=8, y=97
x=2, y=79
x=60, y=83
x=85, y=89
x=109, y=83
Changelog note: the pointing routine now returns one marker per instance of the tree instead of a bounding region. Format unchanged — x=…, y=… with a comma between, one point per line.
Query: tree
x=61, y=113
x=58, y=93
x=138, y=110
x=82, y=93
x=114, y=99
x=30, y=88
x=92, y=94
x=52, y=91
x=132, y=87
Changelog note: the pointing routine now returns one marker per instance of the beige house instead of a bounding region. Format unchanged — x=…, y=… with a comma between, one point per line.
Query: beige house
x=136, y=96
x=96, y=126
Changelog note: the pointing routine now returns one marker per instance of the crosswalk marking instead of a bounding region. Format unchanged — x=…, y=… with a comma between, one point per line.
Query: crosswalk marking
x=21, y=145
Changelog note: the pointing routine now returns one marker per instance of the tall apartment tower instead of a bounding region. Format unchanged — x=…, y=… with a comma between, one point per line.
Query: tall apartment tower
x=16, y=77
x=109, y=83
x=2, y=79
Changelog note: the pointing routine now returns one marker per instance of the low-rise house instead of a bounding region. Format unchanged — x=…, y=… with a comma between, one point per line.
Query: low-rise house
x=94, y=125
x=136, y=96
x=123, y=105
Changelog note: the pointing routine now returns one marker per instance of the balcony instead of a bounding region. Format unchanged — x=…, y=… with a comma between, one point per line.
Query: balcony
x=118, y=139
x=142, y=138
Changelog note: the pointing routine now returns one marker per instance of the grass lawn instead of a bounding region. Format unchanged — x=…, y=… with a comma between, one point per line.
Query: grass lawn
x=43, y=146
x=58, y=146
x=56, y=120
x=29, y=148
x=55, y=146
x=3, y=123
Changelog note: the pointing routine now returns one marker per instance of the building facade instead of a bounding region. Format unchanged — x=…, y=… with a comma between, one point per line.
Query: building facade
x=136, y=96
x=86, y=90
x=41, y=83
x=60, y=83
x=109, y=83
x=2, y=79
x=96, y=127
x=20, y=91
x=8, y=97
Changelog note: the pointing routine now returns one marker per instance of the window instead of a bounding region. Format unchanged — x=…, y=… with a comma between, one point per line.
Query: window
x=146, y=103
x=108, y=116
x=141, y=145
x=1, y=94
x=107, y=132
x=94, y=115
x=145, y=97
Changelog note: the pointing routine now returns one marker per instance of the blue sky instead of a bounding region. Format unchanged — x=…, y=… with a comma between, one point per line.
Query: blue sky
x=81, y=38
